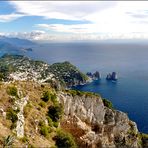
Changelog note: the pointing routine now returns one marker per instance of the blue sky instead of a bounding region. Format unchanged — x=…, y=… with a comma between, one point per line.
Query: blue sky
x=68, y=20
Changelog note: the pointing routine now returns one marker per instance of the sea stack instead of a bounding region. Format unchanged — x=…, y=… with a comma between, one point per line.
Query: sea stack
x=94, y=76
x=109, y=77
x=97, y=75
x=112, y=76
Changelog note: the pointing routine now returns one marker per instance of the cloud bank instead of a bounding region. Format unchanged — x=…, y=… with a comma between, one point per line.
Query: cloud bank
x=112, y=19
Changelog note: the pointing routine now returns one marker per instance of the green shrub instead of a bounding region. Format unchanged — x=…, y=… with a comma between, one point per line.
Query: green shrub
x=56, y=124
x=107, y=103
x=143, y=139
x=12, y=90
x=55, y=112
x=64, y=140
x=53, y=98
x=42, y=104
x=12, y=115
x=46, y=96
x=44, y=129
x=81, y=93
x=49, y=96
x=50, y=123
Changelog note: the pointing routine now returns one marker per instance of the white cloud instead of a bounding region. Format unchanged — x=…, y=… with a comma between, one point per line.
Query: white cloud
x=115, y=19
x=72, y=10
x=10, y=17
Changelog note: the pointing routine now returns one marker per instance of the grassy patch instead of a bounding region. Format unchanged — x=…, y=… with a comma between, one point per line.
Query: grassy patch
x=55, y=112
x=47, y=95
x=64, y=140
x=12, y=115
x=44, y=129
x=42, y=104
x=143, y=139
x=107, y=103
x=81, y=93
x=12, y=90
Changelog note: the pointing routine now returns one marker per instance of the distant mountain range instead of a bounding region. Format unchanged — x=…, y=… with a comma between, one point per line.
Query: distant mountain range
x=15, y=45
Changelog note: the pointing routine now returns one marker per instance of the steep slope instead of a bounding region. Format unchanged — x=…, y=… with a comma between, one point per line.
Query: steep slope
x=95, y=125
x=34, y=115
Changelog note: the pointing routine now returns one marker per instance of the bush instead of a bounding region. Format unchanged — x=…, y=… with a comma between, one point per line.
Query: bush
x=50, y=123
x=107, y=103
x=44, y=129
x=12, y=115
x=64, y=140
x=49, y=96
x=56, y=124
x=81, y=93
x=55, y=112
x=53, y=98
x=46, y=96
x=42, y=104
x=12, y=90
x=144, y=138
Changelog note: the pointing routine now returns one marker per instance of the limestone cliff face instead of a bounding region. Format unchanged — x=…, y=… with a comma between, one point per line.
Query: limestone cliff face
x=95, y=125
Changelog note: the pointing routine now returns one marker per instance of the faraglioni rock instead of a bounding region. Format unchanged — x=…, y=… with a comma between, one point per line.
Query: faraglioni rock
x=94, y=76
x=97, y=75
x=112, y=76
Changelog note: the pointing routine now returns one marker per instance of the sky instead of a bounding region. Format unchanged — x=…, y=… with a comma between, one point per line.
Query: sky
x=74, y=20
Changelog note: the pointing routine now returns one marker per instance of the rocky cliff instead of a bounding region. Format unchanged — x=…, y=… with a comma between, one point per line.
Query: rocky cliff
x=95, y=125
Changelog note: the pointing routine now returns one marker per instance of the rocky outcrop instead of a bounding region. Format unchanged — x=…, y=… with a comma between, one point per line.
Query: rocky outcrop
x=112, y=76
x=20, y=123
x=97, y=75
x=95, y=125
x=19, y=105
x=94, y=76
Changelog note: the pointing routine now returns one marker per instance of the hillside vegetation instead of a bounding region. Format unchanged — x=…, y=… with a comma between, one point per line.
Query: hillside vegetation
x=18, y=67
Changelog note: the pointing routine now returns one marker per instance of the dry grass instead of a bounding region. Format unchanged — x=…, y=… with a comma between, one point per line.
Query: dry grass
x=33, y=113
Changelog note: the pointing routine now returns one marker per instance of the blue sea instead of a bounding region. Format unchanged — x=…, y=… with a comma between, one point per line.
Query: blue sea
x=129, y=58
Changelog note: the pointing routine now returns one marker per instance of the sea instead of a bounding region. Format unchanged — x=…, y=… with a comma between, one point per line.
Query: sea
x=128, y=58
